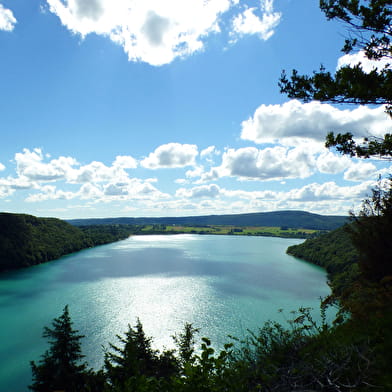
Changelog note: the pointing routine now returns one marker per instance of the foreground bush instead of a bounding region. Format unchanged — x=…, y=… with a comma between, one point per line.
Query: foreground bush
x=302, y=356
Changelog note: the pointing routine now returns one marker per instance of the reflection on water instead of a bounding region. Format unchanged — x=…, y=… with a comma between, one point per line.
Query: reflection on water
x=222, y=284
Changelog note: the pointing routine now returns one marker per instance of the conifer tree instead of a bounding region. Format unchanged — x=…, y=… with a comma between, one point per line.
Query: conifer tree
x=60, y=368
x=370, y=32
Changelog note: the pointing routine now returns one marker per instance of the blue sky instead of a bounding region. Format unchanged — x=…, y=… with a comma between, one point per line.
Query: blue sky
x=163, y=108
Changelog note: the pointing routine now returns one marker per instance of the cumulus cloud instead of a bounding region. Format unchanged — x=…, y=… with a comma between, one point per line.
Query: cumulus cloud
x=209, y=152
x=328, y=191
x=49, y=192
x=9, y=185
x=360, y=171
x=130, y=189
x=133, y=188
x=125, y=162
x=294, y=122
x=203, y=191
x=266, y=195
x=330, y=163
x=42, y=177
x=16, y=183
x=156, y=31
x=272, y=163
x=366, y=64
x=249, y=22
x=98, y=181
x=30, y=164
x=196, y=172
x=7, y=19
x=97, y=172
x=171, y=155
x=327, y=198
x=2, y=167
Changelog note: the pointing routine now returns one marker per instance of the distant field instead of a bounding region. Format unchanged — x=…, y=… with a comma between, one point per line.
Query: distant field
x=231, y=230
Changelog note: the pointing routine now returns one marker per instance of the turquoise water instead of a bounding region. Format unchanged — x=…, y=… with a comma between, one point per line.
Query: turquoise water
x=224, y=285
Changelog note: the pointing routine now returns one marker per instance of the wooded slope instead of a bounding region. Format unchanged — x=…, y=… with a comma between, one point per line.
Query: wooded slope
x=26, y=240
x=293, y=219
x=333, y=251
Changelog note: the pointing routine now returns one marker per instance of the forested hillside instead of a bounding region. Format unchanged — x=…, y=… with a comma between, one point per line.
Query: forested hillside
x=292, y=219
x=26, y=240
x=333, y=251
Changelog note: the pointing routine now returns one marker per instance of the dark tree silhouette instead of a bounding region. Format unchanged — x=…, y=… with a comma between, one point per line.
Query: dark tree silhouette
x=60, y=368
x=370, y=232
x=135, y=361
x=369, y=26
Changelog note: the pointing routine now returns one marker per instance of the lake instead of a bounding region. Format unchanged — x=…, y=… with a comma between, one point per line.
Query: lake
x=224, y=285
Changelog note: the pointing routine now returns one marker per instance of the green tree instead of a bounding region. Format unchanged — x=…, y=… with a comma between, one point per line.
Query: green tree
x=369, y=24
x=185, y=342
x=135, y=364
x=60, y=368
x=371, y=231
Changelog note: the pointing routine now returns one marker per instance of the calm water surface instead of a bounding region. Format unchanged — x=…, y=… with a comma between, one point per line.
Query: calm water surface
x=224, y=285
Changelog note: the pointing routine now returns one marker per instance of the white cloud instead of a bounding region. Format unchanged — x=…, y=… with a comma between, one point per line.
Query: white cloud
x=327, y=198
x=203, y=191
x=2, y=167
x=49, y=192
x=98, y=172
x=366, y=64
x=250, y=23
x=5, y=191
x=130, y=190
x=16, y=183
x=294, y=122
x=171, y=155
x=156, y=31
x=330, y=163
x=152, y=31
x=133, y=189
x=250, y=195
x=35, y=170
x=360, y=171
x=196, y=172
x=328, y=191
x=7, y=19
x=268, y=164
x=64, y=179
x=30, y=164
x=90, y=191
x=209, y=152
x=125, y=162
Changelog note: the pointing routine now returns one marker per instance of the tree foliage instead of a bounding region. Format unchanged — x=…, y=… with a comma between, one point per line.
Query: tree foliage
x=369, y=147
x=134, y=361
x=369, y=21
x=370, y=233
x=26, y=240
x=335, y=252
x=369, y=26
x=303, y=355
x=60, y=368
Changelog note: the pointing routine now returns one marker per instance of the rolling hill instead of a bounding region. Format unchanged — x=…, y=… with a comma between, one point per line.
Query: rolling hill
x=293, y=219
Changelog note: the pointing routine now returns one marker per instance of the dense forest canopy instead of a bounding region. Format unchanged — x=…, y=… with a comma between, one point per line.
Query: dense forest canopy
x=26, y=240
x=333, y=251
